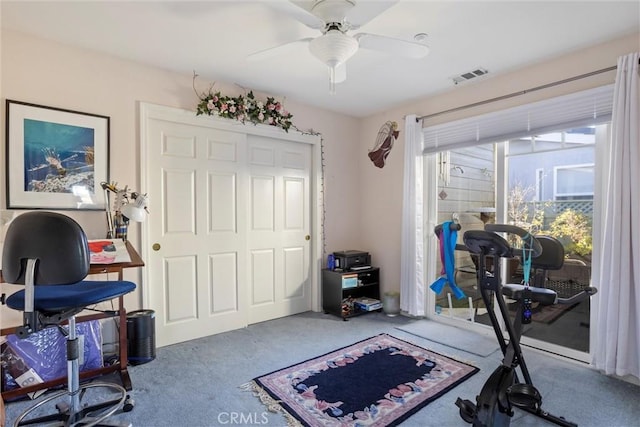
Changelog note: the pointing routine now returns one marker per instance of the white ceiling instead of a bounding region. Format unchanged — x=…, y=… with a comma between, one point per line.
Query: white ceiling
x=214, y=38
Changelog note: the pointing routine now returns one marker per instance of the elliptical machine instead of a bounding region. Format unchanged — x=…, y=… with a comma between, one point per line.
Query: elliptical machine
x=504, y=389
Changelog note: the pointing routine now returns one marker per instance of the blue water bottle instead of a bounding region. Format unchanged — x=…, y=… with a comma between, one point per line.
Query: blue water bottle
x=331, y=262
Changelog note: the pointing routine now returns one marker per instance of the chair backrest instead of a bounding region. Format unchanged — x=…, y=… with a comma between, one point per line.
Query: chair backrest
x=56, y=241
x=552, y=256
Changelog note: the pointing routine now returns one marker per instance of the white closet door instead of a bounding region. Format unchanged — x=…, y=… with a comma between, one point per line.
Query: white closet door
x=278, y=228
x=196, y=270
x=229, y=228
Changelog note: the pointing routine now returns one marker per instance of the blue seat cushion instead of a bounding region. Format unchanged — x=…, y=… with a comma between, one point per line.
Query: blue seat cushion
x=54, y=298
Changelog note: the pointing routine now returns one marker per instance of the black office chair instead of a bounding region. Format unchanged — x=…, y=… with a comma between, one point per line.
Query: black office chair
x=552, y=258
x=48, y=253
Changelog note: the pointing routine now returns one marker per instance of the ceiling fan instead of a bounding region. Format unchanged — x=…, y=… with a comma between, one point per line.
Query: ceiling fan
x=334, y=19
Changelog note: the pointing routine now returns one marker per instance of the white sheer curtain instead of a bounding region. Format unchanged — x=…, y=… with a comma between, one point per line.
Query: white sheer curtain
x=412, y=288
x=616, y=268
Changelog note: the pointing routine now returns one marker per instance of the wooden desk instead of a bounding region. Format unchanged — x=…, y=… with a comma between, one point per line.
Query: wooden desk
x=121, y=365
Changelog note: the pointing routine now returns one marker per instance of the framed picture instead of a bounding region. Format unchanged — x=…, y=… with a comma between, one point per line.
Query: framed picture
x=56, y=159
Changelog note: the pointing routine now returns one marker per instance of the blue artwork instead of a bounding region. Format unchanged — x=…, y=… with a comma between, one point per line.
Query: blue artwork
x=57, y=157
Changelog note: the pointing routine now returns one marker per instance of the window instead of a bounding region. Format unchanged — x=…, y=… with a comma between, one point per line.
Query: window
x=574, y=182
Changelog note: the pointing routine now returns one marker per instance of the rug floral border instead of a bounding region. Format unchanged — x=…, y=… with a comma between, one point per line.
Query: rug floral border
x=301, y=406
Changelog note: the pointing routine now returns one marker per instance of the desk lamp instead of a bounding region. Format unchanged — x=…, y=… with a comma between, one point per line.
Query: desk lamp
x=127, y=206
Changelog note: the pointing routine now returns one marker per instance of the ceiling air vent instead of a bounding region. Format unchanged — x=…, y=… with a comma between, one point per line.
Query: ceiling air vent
x=469, y=75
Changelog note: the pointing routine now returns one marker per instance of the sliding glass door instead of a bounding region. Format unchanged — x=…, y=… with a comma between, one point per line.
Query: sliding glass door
x=543, y=183
x=550, y=191
x=465, y=193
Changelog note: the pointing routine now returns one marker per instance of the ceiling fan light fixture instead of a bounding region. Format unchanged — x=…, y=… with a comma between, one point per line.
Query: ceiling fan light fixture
x=333, y=48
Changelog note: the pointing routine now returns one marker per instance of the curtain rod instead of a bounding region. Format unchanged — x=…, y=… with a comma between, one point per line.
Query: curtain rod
x=522, y=92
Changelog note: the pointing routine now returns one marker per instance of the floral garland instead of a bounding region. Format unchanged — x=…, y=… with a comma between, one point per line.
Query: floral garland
x=243, y=108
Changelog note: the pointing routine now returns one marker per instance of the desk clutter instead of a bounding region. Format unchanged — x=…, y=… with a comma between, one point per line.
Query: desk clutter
x=108, y=251
x=41, y=356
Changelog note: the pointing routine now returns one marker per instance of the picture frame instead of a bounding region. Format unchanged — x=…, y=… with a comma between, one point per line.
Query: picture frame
x=55, y=158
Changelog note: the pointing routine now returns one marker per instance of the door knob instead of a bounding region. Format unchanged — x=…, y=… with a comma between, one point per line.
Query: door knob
x=156, y=246
x=307, y=237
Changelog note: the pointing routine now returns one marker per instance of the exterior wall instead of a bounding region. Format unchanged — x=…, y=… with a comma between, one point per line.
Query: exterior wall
x=522, y=169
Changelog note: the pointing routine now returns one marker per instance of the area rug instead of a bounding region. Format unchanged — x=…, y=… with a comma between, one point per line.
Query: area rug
x=380, y=381
x=458, y=338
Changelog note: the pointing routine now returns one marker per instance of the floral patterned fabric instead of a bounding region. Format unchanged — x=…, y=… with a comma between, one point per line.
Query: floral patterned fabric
x=380, y=381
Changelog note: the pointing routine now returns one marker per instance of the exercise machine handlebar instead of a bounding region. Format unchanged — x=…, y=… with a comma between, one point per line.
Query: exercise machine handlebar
x=530, y=242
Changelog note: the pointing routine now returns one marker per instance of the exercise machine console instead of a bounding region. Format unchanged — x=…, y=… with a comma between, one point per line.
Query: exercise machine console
x=505, y=389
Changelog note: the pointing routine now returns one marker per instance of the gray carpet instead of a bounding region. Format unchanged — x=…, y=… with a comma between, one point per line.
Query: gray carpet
x=197, y=383
x=457, y=338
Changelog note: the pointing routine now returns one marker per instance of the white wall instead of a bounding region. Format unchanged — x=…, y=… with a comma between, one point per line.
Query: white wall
x=51, y=74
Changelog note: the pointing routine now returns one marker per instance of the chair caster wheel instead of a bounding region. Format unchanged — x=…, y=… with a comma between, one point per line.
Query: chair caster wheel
x=128, y=404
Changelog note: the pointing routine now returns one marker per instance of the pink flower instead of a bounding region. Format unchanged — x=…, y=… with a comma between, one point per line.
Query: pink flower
x=210, y=105
x=322, y=405
x=223, y=107
x=278, y=107
x=400, y=390
x=385, y=403
x=309, y=393
x=362, y=415
x=232, y=109
x=215, y=99
x=422, y=383
x=240, y=117
x=271, y=107
x=270, y=120
x=261, y=117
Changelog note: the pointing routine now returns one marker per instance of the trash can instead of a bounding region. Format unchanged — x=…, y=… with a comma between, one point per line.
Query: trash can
x=141, y=336
x=391, y=303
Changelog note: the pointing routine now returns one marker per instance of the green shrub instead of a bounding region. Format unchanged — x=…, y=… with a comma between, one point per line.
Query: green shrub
x=573, y=229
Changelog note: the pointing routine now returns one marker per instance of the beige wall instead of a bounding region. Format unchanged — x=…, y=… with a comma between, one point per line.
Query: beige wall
x=363, y=203
x=41, y=72
x=381, y=198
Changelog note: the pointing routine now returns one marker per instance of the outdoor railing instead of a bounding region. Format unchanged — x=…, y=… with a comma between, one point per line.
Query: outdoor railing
x=554, y=208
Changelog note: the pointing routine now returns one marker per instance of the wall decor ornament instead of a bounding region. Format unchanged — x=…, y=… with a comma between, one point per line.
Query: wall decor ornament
x=387, y=135
x=56, y=158
x=244, y=108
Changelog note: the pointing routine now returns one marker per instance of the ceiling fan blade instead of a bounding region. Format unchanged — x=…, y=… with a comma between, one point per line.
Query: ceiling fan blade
x=299, y=11
x=364, y=12
x=390, y=45
x=282, y=49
